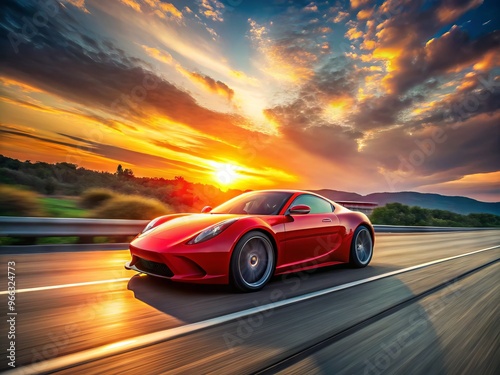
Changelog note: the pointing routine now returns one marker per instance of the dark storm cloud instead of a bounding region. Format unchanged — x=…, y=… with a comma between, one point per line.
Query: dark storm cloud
x=438, y=56
x=439, y=153
x=336, y=78
x=478, y=94
x=379, y=112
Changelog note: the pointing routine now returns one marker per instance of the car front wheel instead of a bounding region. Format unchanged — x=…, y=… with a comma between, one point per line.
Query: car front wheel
x=252, y=262
x=361, y=247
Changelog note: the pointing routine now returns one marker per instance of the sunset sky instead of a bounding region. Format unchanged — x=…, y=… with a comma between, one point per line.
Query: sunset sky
x=356, y=95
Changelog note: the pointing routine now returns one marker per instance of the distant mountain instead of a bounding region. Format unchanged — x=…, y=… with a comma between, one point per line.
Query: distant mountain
x=461, y=205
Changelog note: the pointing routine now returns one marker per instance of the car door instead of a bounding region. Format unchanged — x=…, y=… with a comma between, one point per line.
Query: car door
x=314, y=235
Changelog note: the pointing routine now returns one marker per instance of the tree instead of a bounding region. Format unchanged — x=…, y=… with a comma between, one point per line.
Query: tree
x=119, y=170
x=128, y=173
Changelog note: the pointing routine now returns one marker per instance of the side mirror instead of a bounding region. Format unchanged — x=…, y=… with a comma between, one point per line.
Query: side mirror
x=300, y=209
x=206, y=209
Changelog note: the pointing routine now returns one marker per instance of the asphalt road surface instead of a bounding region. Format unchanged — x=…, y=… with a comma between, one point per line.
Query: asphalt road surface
x=413, y=310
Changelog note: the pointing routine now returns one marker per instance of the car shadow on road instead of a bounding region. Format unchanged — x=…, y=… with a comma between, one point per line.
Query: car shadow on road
x=196, y=302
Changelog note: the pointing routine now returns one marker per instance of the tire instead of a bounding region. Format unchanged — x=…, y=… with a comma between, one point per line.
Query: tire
x=361, y=247
x=252, y=262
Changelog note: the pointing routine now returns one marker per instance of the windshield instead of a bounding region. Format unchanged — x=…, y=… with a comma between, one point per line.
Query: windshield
x=254, y=203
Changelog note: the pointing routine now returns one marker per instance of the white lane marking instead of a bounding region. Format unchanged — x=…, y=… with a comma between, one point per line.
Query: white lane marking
x=41, y=288
x=171, y=333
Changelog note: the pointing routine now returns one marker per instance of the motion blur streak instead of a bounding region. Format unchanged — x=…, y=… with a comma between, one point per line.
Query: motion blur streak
x=39, y=289
x=168, y=334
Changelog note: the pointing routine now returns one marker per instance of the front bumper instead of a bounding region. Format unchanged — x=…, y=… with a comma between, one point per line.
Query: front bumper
x=149, y=267
x=203, y=268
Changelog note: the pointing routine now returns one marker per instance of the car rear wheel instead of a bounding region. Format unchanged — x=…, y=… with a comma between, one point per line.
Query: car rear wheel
x=361, y=247
x=252, y=262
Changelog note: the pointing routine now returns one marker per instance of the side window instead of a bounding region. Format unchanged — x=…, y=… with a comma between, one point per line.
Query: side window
x=318, y=205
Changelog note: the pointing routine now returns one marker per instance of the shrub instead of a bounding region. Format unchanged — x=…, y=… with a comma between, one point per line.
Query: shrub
x=130, y=207
x=16, y=202
x=95, y=197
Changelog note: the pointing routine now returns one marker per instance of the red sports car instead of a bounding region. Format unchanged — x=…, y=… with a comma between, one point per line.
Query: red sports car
x=252, y=237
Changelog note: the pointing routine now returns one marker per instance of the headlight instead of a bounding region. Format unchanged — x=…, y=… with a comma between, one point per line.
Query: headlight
x=150, y=225
x=212, y=231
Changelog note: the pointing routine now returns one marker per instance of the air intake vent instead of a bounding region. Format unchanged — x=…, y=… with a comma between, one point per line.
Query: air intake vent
x=155, y=268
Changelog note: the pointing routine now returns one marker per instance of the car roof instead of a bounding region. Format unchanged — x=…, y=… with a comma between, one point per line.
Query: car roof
x=280, y=191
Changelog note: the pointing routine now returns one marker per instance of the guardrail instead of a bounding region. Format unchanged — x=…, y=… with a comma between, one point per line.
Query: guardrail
x=420, y=229
x=39, y=227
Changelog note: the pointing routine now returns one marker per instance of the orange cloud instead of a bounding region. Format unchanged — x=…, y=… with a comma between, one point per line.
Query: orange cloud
x=368, y=44
x=13, y=83
x=244, y=77
x=158, y=55
x=449, y=12
x=162, y=9
x=171, y=9
x=216, y=87
x=340, y=17
x=358, y=3
x=212, y=9
x=484, y=186
x=365, y=14
x=131, y=3
x=488, y=61
x=353, y=33
x=80, y=4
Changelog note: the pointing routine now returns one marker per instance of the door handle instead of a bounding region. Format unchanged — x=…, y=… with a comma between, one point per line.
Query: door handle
x=327, y=220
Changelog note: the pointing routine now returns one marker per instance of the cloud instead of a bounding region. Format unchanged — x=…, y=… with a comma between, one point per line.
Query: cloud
x=477, y=94
x=484, y=186
x=452, y=9
x=99, y=75
x=364, y=14
x=217, y=87
x=429, y=155
x=80, y=4
x=155, y=53
x=291, y=46
x=132, y=4
x=120, y=154
x=311, y=7
x=164, y=10
x=358, y=3
x=453, y=50
x=340, y=17
x=351, y=89
x=212, y=9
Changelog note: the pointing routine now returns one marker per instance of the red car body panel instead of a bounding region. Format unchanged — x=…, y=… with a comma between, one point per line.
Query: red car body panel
x=301, y=242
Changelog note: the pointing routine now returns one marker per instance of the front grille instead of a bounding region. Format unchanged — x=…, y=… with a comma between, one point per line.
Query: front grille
x=153, y=267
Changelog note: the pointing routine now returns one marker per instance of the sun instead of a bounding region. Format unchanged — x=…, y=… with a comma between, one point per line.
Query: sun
x=225, y=173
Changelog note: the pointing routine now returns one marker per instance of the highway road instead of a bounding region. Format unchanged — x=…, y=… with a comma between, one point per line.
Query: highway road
x=427, y=304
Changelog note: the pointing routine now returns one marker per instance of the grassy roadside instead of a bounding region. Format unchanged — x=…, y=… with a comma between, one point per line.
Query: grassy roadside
x=62, y=207
x=65, y=207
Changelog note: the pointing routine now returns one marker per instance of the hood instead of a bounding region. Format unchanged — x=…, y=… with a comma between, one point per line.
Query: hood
x=184, y=227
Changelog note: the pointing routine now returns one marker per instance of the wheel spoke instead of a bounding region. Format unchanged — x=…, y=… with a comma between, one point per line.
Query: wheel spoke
x=255, y=261
x=363, y=246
